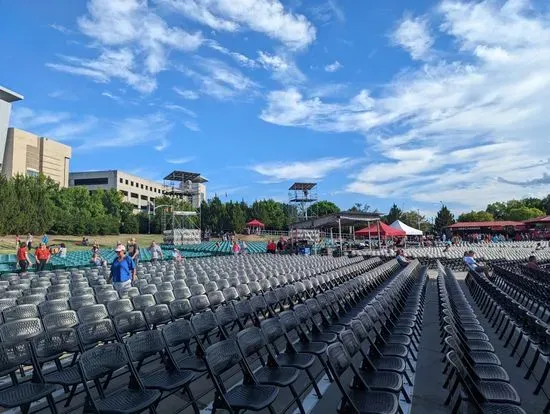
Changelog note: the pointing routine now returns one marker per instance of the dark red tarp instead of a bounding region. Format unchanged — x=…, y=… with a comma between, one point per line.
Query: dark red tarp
x=255, y=223
x=385, y=231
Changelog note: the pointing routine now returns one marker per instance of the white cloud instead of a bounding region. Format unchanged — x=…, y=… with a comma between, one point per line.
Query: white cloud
x=134, y=43
x=63, y=94
x=464, y=130
x=186, y=94
x=414, y=36
x=181, y=109
x=238, y=57
x=334, y=66
x=282, y=66
x=314, y=170
x=61, y=29
x=182, y=160
x=219, y=80
x=112, y=96
x=192, y=126
x=264, y=16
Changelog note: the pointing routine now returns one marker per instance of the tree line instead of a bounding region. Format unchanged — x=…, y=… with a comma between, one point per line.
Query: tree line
x=38, y=205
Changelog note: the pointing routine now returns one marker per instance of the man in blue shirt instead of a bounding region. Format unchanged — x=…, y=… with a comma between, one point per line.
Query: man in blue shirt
x=475, y=266
x=123, y=270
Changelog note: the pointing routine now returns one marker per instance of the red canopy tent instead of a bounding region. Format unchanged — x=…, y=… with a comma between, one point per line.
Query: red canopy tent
x=385, y=231
x=255, y=223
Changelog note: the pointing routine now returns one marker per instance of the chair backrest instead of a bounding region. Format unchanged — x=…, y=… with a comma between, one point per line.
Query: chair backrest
x=164, y=296
x=60, y=320
x=251, y=341
x=90, y=334
x=272, y=329
x=199, y=303
x=53, y=306
x=13, y=355
x=222, y=356
x=102, y=360
x=226, y=314
x=20, y=329
x=77, y=302
x=130, y=322
x=20, y=312
x=48, y=345
x=178, y=332
x=143, y=301
x=243, y=309
x=145, y=344
x=31, y=299
x=92, y=313
x=302, y=313
x=204, y=322
x=289, y=321
x=347, y=338
x=182, y=292
x=119, y=306
x=157, y=314
x=359, y=330
x=338, y=358
x=216, y=298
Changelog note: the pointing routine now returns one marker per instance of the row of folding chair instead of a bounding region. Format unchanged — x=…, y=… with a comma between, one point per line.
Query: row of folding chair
x=97, y=327
x=511, y=320
x=393, y=315
x=470, y=359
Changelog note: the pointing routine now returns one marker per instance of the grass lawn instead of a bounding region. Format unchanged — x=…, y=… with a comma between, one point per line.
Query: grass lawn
x=7, y=243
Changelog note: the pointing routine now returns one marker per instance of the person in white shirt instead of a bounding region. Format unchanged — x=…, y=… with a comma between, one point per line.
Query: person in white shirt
x=401, y=259
x=474, y=265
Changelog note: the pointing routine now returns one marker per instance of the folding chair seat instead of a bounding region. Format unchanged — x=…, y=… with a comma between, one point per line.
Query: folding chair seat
x=107, y=296
x=52, y=306
x=475, y=357
x=13, y=355
x=360, y=399
x=170, y=379
x=178, y=284
x=265, y=285
x=254, y=287
x=197, y=289
x=103, y=288
x=164, y=286
x=259, y=307
x=178, y=336
x=180, y=308
x=222, y=284
x=77, y=302
x=215, y=298
x=149, y=290
x=60, y=320
x=211, y=287
x=251, y=341
x=199, y=303
x=182, y=293
x=472, y=344
x=243, y=291
x=143, y=301
x=102, y=362
x=92, y=313
x=157, y=315
x=395, y=336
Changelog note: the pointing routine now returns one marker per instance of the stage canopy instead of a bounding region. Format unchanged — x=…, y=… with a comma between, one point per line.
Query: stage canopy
x=385, y=231
x=255, y=223
x=411, y=231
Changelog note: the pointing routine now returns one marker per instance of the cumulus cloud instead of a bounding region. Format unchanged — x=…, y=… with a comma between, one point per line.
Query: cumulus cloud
x=264, y=16
x=413, y=35
x=133, y=43
x=465, y=130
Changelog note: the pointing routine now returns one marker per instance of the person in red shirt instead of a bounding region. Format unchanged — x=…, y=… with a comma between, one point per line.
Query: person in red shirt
x=23, y=257
x=42, y=254
x=271, y=247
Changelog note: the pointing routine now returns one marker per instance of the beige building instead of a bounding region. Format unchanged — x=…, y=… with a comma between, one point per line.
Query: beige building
x=29, y=154
x=138, y=191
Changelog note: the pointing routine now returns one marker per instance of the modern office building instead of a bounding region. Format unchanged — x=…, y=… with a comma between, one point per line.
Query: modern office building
x=138, y=191
x=28, y=154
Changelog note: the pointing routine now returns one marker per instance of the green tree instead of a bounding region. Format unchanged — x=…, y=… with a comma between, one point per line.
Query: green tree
x=476, y=216
x=415, y=219
x=394, y=214
x=524, y=213
x=443, y=219
x=498, y=210
x=322, y=208
x=238, y=219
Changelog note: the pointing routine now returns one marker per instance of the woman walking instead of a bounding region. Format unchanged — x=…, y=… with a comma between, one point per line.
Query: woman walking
x=123, y=270
x=42, y=255
x=23, y=257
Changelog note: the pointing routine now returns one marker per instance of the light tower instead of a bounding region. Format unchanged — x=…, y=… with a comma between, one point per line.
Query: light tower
x=302, y=196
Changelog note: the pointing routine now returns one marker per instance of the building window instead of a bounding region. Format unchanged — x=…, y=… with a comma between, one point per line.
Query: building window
x=32, y=173
x=121, y=180
x=134, y=195
x=125, y=193
x=132, y=183
x=142, y=186
x=126, y=182
x=91, y=181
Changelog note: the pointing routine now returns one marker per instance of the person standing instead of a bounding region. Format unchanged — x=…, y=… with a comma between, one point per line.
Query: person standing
x=243, y=247
x=133, y=250
x=62, y=251
x=45, y=239
x=42, y=255
x=30, y=238
x=123, y=270
x=17, y=241
x=236, y=249
x=23, y=257
x=156, y=252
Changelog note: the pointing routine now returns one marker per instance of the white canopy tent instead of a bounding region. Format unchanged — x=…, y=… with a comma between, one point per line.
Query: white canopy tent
x=397, y=224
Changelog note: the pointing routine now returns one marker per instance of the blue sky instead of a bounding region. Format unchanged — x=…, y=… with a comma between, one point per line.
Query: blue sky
x=379, y=102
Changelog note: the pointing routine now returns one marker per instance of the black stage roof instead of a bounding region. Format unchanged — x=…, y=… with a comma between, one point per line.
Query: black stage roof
x=184, y=176
x=346, y=218
x=302, y=186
